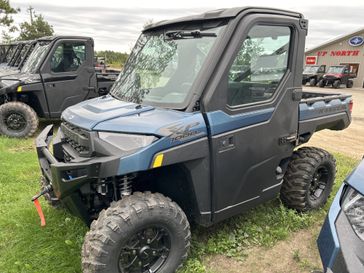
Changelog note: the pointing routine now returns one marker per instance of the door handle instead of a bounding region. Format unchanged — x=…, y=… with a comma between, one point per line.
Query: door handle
x=288, y=139
x=226, y=143
x=89, y=88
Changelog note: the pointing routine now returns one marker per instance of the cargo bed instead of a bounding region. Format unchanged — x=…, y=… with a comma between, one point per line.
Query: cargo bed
x=320, y=111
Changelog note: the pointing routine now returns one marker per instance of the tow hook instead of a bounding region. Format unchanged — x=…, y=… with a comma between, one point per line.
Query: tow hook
x=37, y=205
x=46, y=189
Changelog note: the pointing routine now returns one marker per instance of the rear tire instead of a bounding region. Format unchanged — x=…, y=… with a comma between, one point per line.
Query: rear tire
x=321, y=84
x=349, y=84
x=336, y=84
x=313, y=82
x=18, y=119
x=309, y=179
x=141, y=229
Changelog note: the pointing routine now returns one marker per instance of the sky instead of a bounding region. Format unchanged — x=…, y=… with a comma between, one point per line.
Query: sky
x=115, y=25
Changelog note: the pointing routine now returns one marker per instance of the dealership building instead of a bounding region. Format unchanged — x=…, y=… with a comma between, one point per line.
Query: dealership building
x=344, y=50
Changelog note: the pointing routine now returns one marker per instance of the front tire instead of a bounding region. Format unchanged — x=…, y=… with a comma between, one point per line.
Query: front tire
x=309, y=179
x=18, y=119
x=336, y=84
x=141, y=232
x=313, y=82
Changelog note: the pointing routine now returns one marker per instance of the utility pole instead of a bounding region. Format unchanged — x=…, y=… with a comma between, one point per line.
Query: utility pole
x=30, y=10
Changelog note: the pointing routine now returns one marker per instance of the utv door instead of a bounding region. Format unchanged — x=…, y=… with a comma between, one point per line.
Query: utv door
x=321, y=71
x=68, y=74
x=346, y=75
x=253, y=112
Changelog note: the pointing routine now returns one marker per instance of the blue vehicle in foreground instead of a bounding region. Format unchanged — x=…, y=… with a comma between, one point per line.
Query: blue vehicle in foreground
x=207, y=112
x=341, y=241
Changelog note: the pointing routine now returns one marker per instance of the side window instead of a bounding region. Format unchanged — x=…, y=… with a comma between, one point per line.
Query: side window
x=322, y=69
x=68, y=57
x=259, y=65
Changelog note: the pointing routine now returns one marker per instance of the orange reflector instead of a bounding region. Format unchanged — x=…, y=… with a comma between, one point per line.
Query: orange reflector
x=158, y=161
x=40, y=212
x=351, y=104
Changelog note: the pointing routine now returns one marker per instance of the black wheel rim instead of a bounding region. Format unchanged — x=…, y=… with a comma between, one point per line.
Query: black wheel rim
x=318, y=183
x=146, y=251
x=15, y=121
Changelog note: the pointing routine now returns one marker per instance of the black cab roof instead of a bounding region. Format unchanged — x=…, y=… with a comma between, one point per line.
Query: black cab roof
x=221, y=14
x=56, y=37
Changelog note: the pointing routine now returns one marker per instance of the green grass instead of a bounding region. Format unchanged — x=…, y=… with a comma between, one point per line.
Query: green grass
x=26, y=247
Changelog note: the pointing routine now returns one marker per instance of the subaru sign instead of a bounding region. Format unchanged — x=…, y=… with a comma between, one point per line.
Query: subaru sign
x=356, y=41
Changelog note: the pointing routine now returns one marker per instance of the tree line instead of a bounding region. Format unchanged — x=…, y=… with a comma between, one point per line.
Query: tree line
x=113, y=58
x=37, y=26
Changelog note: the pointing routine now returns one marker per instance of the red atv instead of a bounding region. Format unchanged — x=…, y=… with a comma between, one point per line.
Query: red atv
x=336, y=76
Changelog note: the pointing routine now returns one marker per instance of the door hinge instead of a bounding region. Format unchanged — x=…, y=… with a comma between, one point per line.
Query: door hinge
x=297, y=94
x=288, y=139
x=304, y=24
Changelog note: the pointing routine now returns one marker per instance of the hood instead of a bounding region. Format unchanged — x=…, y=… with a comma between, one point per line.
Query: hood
x=9, y=71
x=333, y=75
x=356, y=178
x=9, y=82
x=26, y=78
x=109, y=114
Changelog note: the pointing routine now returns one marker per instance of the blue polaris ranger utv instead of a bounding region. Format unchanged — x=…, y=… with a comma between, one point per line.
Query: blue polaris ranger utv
x=200, y=126
x=341, y=240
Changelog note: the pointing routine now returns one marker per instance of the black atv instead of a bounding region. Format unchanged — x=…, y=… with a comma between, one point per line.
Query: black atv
x=312, y=74
x=58, y=73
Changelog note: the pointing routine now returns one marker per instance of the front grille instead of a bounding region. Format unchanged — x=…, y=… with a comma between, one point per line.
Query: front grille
x=78, y=138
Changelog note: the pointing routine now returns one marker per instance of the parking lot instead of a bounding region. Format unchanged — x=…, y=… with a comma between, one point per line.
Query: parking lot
x=349, y=141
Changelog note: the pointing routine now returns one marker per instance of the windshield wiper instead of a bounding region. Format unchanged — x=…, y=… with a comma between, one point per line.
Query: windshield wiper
x=175, y=35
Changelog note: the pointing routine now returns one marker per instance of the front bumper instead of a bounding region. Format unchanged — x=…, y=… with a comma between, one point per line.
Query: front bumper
x=341, y=250
x=67, y=179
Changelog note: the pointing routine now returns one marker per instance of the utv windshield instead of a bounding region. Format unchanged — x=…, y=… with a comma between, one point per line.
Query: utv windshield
x=335, y=69
x=310, y=69
x=35, y=58
x=163, y=66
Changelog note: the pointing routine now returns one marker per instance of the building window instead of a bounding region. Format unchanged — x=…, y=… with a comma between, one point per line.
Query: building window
x=354, y=68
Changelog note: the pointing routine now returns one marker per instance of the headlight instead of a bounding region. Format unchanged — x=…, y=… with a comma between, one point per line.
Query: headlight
x=353, y=206
x=127, y=142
